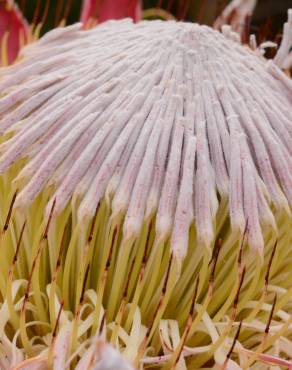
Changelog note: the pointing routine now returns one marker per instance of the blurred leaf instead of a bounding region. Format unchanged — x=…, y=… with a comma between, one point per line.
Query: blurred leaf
x=266, y=23
x=157, y=13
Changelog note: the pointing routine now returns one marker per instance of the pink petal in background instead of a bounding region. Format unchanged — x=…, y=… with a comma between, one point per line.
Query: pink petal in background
x=11, y=22
x=104, y=10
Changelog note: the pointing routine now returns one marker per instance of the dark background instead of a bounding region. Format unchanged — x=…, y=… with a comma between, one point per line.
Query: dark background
x=266, y=23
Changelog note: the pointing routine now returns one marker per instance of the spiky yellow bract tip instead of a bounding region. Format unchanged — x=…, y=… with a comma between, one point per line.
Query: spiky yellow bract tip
x=145, y=192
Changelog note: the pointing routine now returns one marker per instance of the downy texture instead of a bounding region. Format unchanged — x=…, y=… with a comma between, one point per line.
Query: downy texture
x=145, y=201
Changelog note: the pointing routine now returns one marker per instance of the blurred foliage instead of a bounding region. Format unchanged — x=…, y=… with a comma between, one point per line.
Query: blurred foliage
x=267, y=21
x=53, y=10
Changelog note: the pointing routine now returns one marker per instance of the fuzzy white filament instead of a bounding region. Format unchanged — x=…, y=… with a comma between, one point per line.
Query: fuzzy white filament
x=138, y=162
x=241, y=137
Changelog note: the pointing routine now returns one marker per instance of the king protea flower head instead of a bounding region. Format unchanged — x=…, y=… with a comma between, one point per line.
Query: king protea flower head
x=145, y=201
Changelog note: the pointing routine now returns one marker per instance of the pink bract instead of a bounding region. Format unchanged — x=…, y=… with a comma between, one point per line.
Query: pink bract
x=11, y=21
x=110, y=9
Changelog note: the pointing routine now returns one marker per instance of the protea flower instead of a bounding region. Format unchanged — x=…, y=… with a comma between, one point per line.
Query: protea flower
x=145, y=201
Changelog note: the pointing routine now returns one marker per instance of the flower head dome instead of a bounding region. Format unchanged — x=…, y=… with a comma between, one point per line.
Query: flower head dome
x=149, y=173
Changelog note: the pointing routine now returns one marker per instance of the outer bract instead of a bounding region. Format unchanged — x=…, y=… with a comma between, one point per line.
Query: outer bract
x=13, y=31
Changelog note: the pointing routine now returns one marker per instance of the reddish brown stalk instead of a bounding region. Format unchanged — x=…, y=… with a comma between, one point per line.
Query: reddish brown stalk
x=202, y=11
x=167, y=275
x=215, y=251
x=185, y=9
x=15, y=257
x=267, y=329
x=46, y=10
x=108, y=262
x=239, y=259
x=264, y=33
x=246, y=29
x=267, y=276
x=147, y=244
x=220, y=7
x=232, y=346
x=214, y=259
x=84, y=285
x=59, y=10
x=169, y=5
x=67, y=9
x=54, y=333
x=236, y=299
x=26, y=295
x=159, y=4
x=23, y=5
x=81, y=299
x=93, y=224
x=102, y=323
x=188, y=324
x=6, y=224
x=61, y=250
x=36, y=12
x=163, y=291
x=125, y=293
x=195, y=296
x=122, y=307
x=45, y=235
x=144, y=259
x=144, y=342
x=39, y=251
